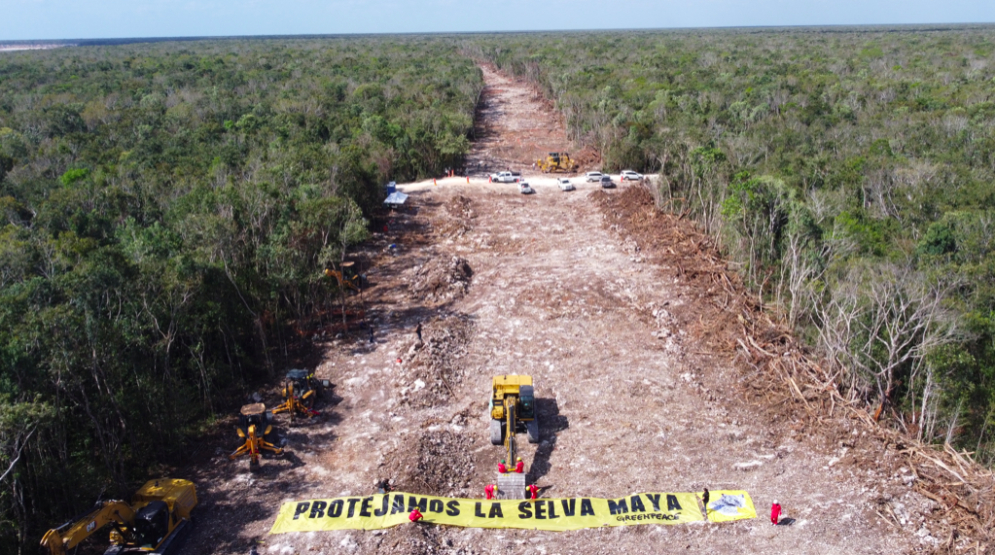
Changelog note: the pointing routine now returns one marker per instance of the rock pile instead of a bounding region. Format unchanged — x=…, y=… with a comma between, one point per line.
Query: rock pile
x=438, y=362
x=444, y=466
x=442, y=280
x=460, y=217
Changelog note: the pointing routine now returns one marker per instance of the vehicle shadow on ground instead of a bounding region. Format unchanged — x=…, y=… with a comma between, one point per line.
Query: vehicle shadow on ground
x=551, y=423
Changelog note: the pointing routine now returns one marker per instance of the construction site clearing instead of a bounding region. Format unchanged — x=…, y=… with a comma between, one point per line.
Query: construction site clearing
x=640, y=386
x=653, y=371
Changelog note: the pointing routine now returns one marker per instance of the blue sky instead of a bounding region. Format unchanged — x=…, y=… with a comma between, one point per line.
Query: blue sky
x=57, y=19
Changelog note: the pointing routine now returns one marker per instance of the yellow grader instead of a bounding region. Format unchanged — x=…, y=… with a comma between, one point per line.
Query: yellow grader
x=154, y=522
x=556, y=162
x=251, y=421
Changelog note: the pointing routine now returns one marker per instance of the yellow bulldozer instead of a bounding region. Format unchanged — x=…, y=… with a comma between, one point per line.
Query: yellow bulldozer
x=556, y=162
x=155, y=522
x=513, y=411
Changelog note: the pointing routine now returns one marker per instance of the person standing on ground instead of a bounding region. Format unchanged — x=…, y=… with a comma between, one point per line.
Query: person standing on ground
x=704, y=501
x=371, y=334
x=418, y=331
x=533, y=490
x=519, y=466
x=489, y=491
x=775, y=512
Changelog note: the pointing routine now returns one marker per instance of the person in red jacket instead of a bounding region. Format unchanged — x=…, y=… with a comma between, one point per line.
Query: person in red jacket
x=489, y=491
x=533, y=490
x=519, y=466
x=415, y=515
x=775, y=512
x=501, y=467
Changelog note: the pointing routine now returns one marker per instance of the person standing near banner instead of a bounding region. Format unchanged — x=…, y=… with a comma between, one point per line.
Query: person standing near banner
x=704, y=501
x=775, y=512
x=489, y=491
x=519, y=466
x=533, y=490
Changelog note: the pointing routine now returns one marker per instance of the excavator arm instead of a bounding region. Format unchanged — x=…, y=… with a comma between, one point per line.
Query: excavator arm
x=60, y=540
x=510, y=414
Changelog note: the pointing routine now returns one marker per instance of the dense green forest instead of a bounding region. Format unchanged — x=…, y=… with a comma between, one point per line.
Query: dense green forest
x=849, y=172
x=166, y=212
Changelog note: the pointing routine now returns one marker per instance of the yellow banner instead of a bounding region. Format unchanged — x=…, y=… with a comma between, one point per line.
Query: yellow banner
x=383, y=511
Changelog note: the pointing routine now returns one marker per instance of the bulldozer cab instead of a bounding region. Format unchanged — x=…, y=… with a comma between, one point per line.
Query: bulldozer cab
x=517, y=390
x=152, y=524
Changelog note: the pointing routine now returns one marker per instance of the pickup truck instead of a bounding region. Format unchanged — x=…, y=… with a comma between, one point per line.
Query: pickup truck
x=506, y=177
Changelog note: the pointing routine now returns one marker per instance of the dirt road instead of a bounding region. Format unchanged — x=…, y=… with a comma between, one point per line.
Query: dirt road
x=515, y=126
x=543, y=285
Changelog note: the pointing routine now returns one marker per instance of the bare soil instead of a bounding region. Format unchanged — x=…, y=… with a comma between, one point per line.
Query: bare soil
x=515, y=126
x=628, y=322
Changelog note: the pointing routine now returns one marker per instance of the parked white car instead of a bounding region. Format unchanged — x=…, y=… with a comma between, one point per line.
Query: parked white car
x=593, y=177
x=506, y=177
x=565, y=184
x=524, y=188
x=629, y=175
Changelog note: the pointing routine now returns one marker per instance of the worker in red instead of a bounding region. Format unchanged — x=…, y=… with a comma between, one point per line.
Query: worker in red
x=415, y=515
x=489, y=491
x=533, y=490
x=502, y=468
x=775, y=512
x=519, y=466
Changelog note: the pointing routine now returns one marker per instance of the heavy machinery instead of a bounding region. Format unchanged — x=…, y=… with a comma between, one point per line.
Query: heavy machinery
x=156, y=521
x=512, y=408
x=300, y=389
x=347, y=277
x=252, y=419
x=512, y=411
x=556, y=162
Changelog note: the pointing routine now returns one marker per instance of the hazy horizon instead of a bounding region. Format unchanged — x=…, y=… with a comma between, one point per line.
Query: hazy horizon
x=66, y=20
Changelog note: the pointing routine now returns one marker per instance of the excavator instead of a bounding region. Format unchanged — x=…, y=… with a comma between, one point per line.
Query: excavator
x=155, y=522
x=347, y=277
x=556, y=162
x=252, y=419
x=512, y=408
x=299, y=392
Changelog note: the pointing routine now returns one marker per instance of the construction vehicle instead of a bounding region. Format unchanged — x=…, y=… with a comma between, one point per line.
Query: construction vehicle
x=156, y=521
x=252, y=419
x=512, y=411
x=512, y=408
x=300, y=389
x=347, y=277
x=556, y=162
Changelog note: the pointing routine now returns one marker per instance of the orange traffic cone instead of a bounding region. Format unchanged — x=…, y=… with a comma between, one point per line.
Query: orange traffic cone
x=468, y=180
x=435, y=182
